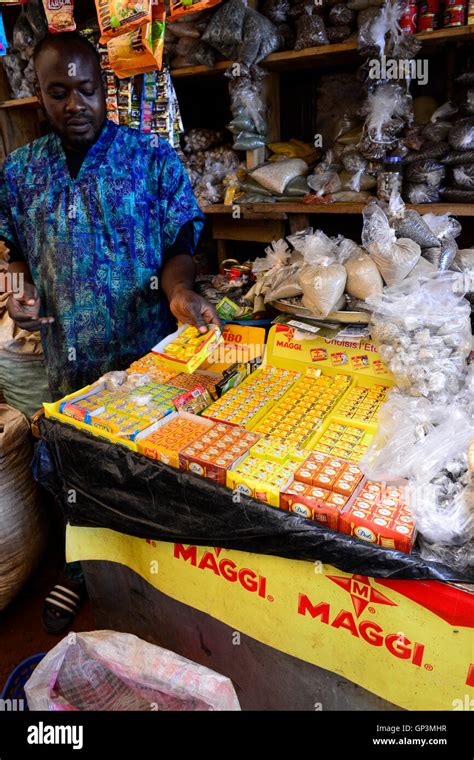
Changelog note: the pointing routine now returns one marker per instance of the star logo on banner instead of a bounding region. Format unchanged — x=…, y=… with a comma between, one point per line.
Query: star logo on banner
x=362, y=593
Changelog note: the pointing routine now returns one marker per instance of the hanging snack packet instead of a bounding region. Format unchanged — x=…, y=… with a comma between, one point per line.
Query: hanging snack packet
x=60, y=15
x=140, y=50
x=119, y=16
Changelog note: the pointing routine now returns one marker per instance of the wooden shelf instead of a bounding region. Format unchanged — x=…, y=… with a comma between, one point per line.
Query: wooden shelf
x=20, y=102
x=340, y=52
x=272, y=209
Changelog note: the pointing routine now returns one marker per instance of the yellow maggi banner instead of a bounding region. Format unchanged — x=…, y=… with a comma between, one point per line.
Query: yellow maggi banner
x=409, y=642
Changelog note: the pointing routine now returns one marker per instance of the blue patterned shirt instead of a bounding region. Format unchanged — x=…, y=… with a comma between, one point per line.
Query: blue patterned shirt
x=95, y=245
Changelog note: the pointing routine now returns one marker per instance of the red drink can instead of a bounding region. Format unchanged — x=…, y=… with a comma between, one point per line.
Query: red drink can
x=454, y=16
x=409, y=18
x=427, y=22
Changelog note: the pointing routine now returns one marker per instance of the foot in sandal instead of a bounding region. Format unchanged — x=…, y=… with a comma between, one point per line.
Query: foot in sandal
x=62, y=604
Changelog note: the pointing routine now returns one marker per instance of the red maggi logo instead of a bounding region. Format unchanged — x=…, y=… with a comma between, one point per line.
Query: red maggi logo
x=362, y=593
x=225, y=568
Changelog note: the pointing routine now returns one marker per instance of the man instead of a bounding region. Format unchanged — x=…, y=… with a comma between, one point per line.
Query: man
x=95, y=215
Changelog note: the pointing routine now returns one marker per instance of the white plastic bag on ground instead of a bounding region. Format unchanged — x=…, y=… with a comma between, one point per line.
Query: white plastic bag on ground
x=22, y=523
x=112, y=671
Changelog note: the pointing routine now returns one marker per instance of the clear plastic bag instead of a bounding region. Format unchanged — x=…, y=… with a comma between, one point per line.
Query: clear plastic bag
x=260, y=38
x=416, y=439
x=459, y=558
x=420, y=193
x=341, y=15
x=276, y=10
x=437, y=131
x=225, y=29
x=423, y=333
x=318, y=249
x=310, y=32
x=463, y=176
x=443, y=255
x=443, y=225
x=413, y=226
x=201, y=139
x=394, y=258
x=363, y=277
x=386, y=110
x=112, y=671
x=461, y=136
x=455, y=195
x=282, y=283
x=323, y=287
x=338, y=33
x=276, y=175
x=248, y=141
x=429, y=150
x=427, y=172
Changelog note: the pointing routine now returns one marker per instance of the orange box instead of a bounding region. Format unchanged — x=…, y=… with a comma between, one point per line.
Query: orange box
x=362, y=519
x=305, y=505
x=205, y=457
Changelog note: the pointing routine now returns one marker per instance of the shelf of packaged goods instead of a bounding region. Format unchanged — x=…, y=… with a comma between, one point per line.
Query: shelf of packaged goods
x=340, y=52
x=254, y=210
x=20, y=102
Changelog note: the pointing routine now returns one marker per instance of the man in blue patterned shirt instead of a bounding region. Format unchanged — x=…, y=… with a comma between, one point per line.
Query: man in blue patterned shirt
x=102, y=222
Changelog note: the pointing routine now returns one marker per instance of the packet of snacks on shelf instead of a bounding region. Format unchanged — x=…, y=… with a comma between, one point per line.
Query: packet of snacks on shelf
x=185, y=7
x=140, y=50
x=60, y=15
x=119, y=16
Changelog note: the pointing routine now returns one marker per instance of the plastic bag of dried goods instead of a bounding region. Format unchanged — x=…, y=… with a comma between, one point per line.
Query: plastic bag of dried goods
x=420, y=193
x=443, y=255
x=464, y=260
x=455, y=195
x=458, y=157
x=412, y=225
x=276, y=175
x=394, y=258
x=201, y=139
x=361, y=5
x=386, y=110
x=249, y=185
x=462, y=176
x=248, y=141
x=259, y=38
x=338, y=33
x=282, y=283
x=461, y=136
x=275, y=10
x=341, y=15
x=310, y=32
x=350, y=196
x=444, y=112
x=422, y=330
x=443, y=225
x=363, y=277
x=427, y=172
x=429, y=150
x=225, y=29
x=318, y=249
x=323, y=287
x=297, y=187
x=437, y=131
x=357, y=181
x=112, y=671
x=416, y=439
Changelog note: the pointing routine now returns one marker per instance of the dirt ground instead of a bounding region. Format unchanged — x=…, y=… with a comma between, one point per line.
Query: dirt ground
x=21, y=631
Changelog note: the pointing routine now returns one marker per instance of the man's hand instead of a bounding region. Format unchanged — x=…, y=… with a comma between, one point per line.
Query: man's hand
x=24, y=309
x=190, y=308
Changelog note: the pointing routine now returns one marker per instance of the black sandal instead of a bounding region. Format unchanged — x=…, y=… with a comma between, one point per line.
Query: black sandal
x=62, y=605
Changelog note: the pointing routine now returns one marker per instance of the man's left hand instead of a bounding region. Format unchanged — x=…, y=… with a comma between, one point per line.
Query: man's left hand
x=190, y=308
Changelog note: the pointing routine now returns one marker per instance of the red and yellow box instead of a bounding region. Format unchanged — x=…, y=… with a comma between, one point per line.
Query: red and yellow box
x=380, y=516
x=313, y=503
x=170, y=436
x=216, y=450
x=187, y=348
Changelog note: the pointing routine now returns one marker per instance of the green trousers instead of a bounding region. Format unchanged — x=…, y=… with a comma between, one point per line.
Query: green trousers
x=23, y=384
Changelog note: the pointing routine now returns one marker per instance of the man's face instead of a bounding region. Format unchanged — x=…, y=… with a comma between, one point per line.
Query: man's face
x=71, y=92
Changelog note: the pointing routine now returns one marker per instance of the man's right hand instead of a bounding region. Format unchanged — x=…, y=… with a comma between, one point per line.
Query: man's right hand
x=24, y=309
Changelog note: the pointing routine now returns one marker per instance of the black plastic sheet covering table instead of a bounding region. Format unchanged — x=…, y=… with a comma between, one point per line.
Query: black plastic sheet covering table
x=126, y=492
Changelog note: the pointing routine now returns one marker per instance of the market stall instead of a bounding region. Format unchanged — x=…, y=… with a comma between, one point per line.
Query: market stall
x=162, y=546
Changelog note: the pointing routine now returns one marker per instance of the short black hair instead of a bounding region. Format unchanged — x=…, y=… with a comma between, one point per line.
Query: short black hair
x=68, y=39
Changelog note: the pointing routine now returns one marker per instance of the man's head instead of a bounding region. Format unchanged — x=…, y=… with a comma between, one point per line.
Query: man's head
x=70, y=88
